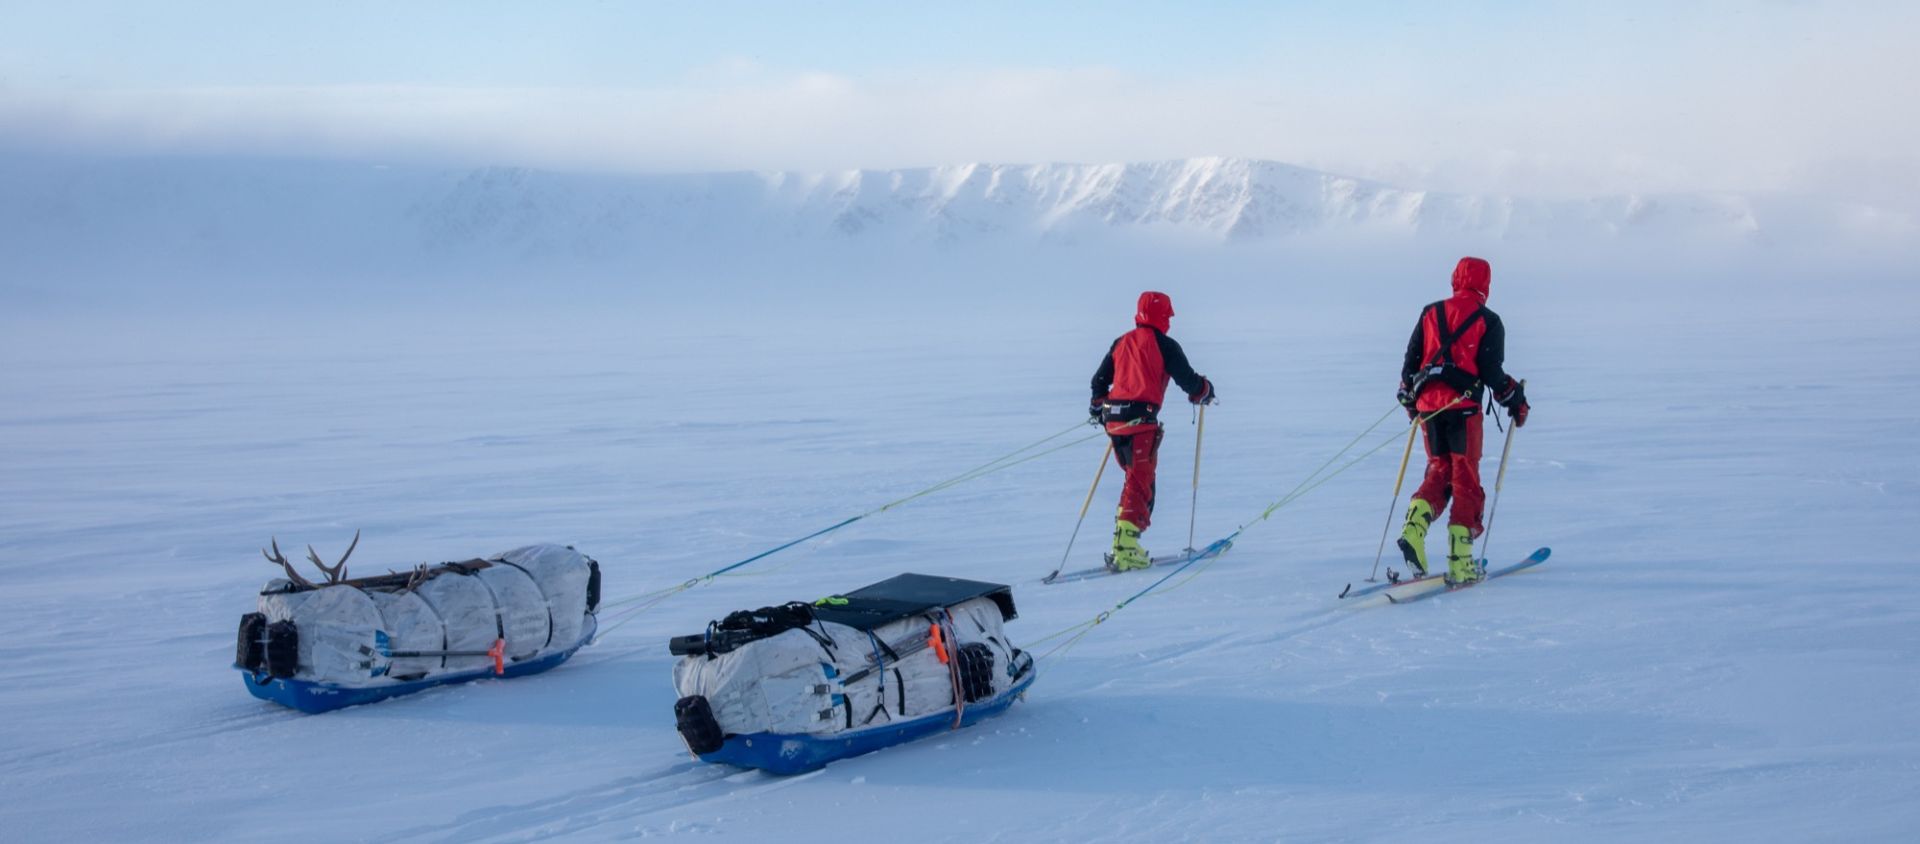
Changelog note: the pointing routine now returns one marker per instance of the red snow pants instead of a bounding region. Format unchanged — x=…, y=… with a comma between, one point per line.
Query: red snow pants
x=1138, y=454
x=1453, y=468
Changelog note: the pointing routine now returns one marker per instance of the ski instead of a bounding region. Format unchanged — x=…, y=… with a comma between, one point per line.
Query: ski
x=1408, y=597
x=1163, y=560
x=1393, y=579
x=1103, y=571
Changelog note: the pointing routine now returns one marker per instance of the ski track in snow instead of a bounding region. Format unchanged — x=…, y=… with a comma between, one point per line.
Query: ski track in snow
x=1715, y=651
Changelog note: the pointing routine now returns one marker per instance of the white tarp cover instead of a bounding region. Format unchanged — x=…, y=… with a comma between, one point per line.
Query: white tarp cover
x=533, y=597
x=561, y=573
x=334, y=623
x=793, y=683
x=465, y=606
x=524, y=614
x=412, y=626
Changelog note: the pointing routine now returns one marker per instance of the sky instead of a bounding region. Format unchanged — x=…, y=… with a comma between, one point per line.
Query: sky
x=1540, y=98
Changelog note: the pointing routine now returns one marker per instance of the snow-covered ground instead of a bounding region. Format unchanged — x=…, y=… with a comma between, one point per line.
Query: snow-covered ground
x=1719, y=648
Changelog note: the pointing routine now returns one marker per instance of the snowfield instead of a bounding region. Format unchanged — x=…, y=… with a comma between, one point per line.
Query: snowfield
x=673, y=373
x=1719, y=649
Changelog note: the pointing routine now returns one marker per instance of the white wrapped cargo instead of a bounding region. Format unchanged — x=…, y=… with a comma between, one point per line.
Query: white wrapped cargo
x=523, y=609
x=335, y=624
x=411, y=625
x=789, y=688
x=558, y=571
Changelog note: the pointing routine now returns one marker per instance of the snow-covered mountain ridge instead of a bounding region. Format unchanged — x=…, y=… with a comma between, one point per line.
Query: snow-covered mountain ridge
x=1221, y=199
x=66, y=213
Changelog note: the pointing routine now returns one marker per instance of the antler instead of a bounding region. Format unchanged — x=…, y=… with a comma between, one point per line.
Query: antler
x=415, y=578
x=280, y=559
x=338, y=572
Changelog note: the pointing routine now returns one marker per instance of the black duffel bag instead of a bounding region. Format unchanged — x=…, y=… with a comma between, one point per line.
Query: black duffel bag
x=741, y=627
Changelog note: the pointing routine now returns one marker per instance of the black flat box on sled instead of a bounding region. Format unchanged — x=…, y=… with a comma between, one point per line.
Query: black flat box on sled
x=907, y=595
x=864, y=609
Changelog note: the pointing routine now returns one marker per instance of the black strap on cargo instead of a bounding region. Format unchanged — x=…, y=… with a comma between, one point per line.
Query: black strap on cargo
x=821, y=638
x=499, y=610
x=543, y=596
x=880, y=665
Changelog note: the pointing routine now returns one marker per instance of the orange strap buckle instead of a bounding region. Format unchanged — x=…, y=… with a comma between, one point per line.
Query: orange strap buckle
x=938, y=642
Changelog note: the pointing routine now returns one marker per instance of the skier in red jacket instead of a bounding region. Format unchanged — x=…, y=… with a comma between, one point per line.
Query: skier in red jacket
x=1457, y=352
x=1127, y=391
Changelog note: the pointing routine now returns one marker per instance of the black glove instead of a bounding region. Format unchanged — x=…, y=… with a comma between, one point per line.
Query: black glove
x=1514, y=399
x=1206, y=394
x=1406, y=398
x=1094, y=411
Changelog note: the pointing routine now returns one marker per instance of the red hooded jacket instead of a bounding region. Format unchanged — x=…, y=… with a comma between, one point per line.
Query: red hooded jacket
x=1140, y=362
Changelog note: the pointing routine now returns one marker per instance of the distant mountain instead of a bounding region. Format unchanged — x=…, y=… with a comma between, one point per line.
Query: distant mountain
x=1211, y=198
x=213, y=211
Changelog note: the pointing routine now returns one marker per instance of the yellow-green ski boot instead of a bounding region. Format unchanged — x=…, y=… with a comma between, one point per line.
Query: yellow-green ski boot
x=1127, y=554
x=1413, y=537
x=1461, y=568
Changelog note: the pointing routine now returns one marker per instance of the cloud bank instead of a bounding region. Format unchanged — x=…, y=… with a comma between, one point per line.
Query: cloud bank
x=1550, y=98
x=1837, y=130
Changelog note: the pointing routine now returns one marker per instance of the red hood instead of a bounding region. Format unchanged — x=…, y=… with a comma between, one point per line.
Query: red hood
x=1471, y=276
x=1155, y=310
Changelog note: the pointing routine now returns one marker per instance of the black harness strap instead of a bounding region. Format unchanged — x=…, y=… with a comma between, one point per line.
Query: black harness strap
x=1144, y=413
x=1449, y=337
x=1440, y=364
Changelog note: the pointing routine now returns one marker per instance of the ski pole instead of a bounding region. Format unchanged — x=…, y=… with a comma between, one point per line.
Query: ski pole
x=1499, y=480
x=1394, y=502
x=383, y=645
x=1083, y=512
x=1193, y=506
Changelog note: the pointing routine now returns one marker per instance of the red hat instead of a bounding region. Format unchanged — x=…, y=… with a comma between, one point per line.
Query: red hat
x=1155, y=310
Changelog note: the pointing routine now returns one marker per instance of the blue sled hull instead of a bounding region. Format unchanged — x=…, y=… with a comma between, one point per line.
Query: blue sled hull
x=311, y=697
x=788, y=753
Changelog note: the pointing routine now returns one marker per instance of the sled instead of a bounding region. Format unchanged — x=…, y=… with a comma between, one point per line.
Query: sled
x=787, y=689
x=798, y=753
x=314, y=697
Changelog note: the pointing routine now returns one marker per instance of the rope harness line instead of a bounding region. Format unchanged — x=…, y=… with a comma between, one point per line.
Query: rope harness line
x=1212, y=552
x=1023, y=454
x=1204, y=557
